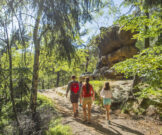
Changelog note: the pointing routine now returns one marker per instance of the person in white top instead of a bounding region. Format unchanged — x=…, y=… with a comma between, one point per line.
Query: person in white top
x=106, y=94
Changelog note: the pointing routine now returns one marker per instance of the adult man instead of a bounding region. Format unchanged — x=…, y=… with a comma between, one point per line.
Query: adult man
x=73, y=86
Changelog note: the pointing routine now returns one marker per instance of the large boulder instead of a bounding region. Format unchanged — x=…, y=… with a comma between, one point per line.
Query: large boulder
x=114, y=45
x=119, y=55
x=113, y=38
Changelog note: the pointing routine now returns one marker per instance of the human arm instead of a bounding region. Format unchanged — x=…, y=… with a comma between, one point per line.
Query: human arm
x=102, y=93
x=110, y=94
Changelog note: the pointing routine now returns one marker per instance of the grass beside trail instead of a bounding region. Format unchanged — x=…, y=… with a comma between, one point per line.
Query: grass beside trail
x=97, y=86
x=53, y=127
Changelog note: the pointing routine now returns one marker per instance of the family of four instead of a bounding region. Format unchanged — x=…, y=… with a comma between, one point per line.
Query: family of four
x=87, y=95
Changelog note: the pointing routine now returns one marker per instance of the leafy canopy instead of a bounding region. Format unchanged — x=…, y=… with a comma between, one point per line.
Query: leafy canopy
x=147, y=65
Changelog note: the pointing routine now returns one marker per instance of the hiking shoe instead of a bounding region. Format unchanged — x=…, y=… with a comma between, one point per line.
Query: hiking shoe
x=108, y=122
x=75, y=115
x=85, y=121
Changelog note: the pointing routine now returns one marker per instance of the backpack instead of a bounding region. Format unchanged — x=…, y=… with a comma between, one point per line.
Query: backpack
x=75, y=87
x=85, y=94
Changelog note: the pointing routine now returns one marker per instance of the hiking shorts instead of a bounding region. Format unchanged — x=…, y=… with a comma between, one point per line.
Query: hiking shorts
x=107, y=101
x=74, y=98
x=87, y=100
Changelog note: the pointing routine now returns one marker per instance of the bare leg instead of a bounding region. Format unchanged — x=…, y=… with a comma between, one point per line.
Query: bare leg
x=77, y=106
x=89, y=112
x=84, y=112
x=108, y=111
x=80, y=101
x=74, y=108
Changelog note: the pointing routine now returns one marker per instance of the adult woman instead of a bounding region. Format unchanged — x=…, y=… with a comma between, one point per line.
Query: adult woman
x=88, y=95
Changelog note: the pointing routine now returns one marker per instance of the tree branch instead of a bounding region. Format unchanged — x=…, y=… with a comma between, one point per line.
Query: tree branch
x=43, y=32
x=3, y=40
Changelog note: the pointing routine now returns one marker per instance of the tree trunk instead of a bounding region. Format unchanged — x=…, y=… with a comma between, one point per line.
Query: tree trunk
x=159, y=41
x=147, y=40
x=42, y=84
x=58, y=79
x=87, y=62
x=11, y=84
x=136, y=80
x=36, y=40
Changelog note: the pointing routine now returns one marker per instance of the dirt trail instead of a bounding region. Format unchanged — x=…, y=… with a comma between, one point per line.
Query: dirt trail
x=121, y=124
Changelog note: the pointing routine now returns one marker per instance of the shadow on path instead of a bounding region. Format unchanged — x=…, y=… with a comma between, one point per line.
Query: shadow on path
x=98, y=127
x=124, y=128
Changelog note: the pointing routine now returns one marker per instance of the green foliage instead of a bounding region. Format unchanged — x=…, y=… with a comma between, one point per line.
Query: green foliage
x=147, y=65
x=133, y=107
x=60, y=130
x=50, y=66
x=44, y=101
x=137, y=25
x=55, y=128
x=97, y=85
x=6, y=115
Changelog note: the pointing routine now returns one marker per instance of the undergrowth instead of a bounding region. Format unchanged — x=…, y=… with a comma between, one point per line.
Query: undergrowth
x=55, y=128
x=97, y=86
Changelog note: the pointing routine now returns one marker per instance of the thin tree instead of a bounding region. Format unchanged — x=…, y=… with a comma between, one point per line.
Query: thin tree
x=9, y=40
x=60, y=20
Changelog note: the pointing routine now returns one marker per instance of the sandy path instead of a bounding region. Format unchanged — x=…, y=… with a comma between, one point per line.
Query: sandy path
x=121, y=124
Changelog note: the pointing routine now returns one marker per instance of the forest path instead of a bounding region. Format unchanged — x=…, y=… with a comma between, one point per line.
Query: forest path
x=121, y=124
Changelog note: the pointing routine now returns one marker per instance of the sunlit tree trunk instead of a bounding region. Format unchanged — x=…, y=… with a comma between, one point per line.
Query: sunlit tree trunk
x=36, y=40
x=10, y=79
x=58, y=79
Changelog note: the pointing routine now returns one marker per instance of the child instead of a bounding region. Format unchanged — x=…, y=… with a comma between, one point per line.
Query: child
x=106, y=95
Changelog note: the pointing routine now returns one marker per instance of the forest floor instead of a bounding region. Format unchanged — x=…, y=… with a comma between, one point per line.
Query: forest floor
x=121, y=124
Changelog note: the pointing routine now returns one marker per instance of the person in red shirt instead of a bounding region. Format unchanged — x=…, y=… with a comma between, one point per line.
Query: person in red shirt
x=88, y=95
x=73, y=87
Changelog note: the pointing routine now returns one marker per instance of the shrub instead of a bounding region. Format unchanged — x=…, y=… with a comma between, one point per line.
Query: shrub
x=57, y=129
x=44, y=101
x=60, y=130
x=97, y=85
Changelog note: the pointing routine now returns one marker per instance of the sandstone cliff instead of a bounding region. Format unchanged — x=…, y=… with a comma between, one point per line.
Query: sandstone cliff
x=114, y=45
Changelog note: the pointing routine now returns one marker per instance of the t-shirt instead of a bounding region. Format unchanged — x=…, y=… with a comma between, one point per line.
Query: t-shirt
x=106, y=93
x=69, y=87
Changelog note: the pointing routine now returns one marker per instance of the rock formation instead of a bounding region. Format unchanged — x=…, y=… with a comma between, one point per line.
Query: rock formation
x=114, y=45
